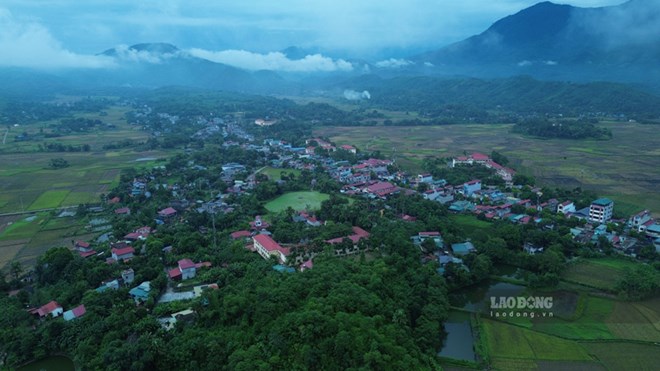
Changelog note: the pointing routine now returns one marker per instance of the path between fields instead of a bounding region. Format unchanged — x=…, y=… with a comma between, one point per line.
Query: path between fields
x=5, y=137
x=35, y=211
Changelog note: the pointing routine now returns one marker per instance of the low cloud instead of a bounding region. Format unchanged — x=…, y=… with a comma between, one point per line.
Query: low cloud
x=394, y=63
x=29, y=44
x=125, y=53
x=524, y=63
x=356, y=95
x=550, y=63
x=274, y=61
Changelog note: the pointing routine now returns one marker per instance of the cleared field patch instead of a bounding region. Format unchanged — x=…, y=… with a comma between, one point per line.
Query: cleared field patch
x=49, y=199
x=24, y=228
x=297, y=201
x=511, y=347
x=625, y=356
x=599, y=273
x=9, y=250
x=627, y=322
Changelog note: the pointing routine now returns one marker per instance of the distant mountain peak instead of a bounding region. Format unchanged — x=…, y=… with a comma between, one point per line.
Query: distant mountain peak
x=152, y=48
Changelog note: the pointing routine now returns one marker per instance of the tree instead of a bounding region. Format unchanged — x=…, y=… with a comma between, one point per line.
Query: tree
x=16, y=268
x=639, y=282
x=58, y=163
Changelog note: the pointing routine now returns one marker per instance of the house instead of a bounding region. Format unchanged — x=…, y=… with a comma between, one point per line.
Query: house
x=267, y=247
x=108, y=285
x=470, y=187
x=349, y=148
x=462, y=248
x=653, y=231
x=461, y=206
x=186, y=269
x=84, y=249
x=531, y=249
x=125, y=253
x=358, y=234
x=141, y=292
x=423, y=236
x=139, y=234
x=240, y=234
x=258, y=223
x=381, y=189
x=74, y=313
x=425, y=178
x=310, y=220
x=306, y=265
x=167, y=213
x=639, y=220
x=123, y=211
x=566, y=207
x=601, y=210
x=52, y=308
x=128, y=276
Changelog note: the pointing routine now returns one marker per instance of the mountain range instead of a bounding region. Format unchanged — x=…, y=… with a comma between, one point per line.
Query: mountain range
x=546, y=41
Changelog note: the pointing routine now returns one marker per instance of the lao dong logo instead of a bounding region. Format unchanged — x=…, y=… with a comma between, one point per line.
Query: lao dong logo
x=512, y=306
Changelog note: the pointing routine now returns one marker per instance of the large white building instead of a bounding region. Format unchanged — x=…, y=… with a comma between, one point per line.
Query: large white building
x=601, y=210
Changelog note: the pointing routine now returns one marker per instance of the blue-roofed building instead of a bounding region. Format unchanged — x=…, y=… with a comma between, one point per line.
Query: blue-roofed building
x=141, y=293
x=462, y=248
x=283, y=268
x=461, y=206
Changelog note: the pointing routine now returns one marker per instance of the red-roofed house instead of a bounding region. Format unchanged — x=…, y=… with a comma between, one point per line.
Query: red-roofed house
x=358, y=234
x=566, y=207
x=167, y=213
x=125, y=253
x=349, y=148
x=480, y=157
x=114, y=200
x=82, y=246
x=74, y=313
x=306, y=265
x=267, y=247
x=472, y=186
x=382, y=189
x=123, y=211
x=240, y=234
x=52, y=308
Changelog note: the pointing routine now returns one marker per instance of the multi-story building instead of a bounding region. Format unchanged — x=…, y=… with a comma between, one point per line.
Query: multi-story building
x=600, y=210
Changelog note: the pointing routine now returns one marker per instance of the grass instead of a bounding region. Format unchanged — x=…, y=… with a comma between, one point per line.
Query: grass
x=49, y=199
x=625, y=356
x=469, y=222
x=602, y=273
x=507, y=342
x=623, y=169
x=297, y=201
x=590, y=323
x=276, y=174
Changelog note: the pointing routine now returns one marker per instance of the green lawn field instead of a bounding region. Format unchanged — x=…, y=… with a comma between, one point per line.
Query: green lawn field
x=275, y=174
x=297, y=201
x=601, y=273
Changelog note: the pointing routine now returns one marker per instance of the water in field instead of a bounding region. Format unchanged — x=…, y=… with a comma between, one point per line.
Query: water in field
x=476, y=298
x=459, y=343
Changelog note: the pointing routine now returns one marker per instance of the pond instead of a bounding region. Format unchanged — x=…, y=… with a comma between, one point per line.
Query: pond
x=509, y=271
x=53, y=363
x=459, y=343
x=476, y=298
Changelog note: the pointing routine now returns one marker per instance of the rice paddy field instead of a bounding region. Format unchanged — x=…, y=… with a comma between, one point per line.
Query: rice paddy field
x=28, y=184
x=30, y=189
x=624, y=169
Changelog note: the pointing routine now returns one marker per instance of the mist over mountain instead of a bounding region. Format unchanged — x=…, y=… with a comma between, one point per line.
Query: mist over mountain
x=552, y=41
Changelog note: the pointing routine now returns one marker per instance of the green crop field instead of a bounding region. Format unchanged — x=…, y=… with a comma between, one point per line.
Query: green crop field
x=625, y=356
x=511, y=347
x=49, y=199
x=601, y=273
x=624, y=169
x=297, y=201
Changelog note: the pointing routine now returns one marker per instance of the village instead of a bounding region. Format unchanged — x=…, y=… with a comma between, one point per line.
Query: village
x=359, y=177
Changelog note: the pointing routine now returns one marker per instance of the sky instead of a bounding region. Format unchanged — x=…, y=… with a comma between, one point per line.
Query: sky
x=69, y=33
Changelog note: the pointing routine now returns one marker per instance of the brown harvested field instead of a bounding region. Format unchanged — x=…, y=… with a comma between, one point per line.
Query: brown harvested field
x=627, y=322
x=625, y=168
x=9, y=251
